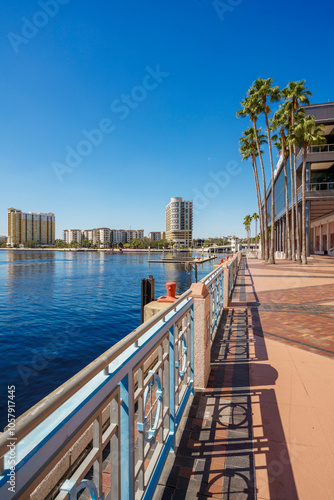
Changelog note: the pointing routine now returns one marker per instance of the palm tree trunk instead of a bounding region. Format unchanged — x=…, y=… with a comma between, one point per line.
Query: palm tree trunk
x=265, y=213
x=293, y=252
x=298, y=259
x=304, y=258
x=287, y=241
x=272, y=236
x=259, y=204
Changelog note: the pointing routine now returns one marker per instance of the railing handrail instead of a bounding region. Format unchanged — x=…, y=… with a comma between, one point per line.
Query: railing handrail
x=324, y=147
x=32, y=417
x=308, y=186
x=206, y=280
x=211, y=275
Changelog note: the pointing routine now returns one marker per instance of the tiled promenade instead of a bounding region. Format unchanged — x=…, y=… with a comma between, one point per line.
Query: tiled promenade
x=264, y=427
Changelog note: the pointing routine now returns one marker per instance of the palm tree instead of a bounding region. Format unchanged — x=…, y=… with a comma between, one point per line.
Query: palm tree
x=288, y=106
x=255, y=218
x=305, y=133
x=264, y=93
x=247, y=223
x=280, y=121
x=248, y=149
x=250, y=108
x=296, y=94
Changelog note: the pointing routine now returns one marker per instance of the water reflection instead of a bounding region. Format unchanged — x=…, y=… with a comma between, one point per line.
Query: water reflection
x=29, y=274
x=80, y=302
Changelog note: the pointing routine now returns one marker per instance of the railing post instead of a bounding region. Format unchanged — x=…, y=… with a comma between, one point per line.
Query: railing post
x=127, y=438
x=172, y=384
x=226, y=285
x=202, y=329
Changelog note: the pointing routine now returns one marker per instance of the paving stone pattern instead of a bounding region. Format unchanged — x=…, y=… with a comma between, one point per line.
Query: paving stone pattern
x=214, y=457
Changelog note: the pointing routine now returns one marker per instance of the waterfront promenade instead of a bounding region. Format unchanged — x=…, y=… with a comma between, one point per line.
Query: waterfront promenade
x=264, y=428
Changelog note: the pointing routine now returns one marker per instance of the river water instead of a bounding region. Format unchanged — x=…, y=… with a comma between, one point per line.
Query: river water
x=60, y=310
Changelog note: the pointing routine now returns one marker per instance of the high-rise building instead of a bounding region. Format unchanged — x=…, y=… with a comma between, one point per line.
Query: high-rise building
x=104, y=235
x=130, y=235
x=179, y=221
x=319, y=189
x=118, y=236
x=154, y=235
x=72, y=235
x=29, y=227
x=91, y=235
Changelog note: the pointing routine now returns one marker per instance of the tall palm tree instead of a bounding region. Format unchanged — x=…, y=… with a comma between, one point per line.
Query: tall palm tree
x=247, y=223
x=264, y=93
x=280, y=121
x=297, y=94
x=255, y=218
x=288, y=106
x=250, y=108
x=248, y=149
x=305, y=133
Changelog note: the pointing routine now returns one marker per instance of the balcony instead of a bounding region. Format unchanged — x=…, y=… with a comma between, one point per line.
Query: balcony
x=317, y=153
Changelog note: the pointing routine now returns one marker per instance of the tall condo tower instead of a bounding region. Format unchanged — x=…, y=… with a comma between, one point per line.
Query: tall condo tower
x=30, y=227
x=179, y=221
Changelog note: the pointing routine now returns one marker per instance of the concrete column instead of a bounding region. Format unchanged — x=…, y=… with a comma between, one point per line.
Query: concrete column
x=327, y=236
x=308, y=225
x=278, y=237
x=202, y=344
x=226, y=285
x=320, y=239
x=282, y=237
x=314, y=239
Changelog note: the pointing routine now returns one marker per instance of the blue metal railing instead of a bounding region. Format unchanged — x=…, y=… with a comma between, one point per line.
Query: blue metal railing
x=117, y=422
x=111, y=427
x=215, y=284
x=233, y=266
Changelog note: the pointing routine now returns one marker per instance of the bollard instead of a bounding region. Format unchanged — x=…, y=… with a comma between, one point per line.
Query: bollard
x=171, y=289
x=147, y=293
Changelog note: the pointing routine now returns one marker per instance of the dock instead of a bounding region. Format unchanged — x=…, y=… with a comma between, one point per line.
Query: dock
x=181, y=261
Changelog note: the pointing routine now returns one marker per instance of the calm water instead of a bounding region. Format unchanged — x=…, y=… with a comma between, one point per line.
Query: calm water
x=60, y=310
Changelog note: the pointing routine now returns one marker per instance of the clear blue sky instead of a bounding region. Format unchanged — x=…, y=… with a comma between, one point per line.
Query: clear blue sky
x=66, y=75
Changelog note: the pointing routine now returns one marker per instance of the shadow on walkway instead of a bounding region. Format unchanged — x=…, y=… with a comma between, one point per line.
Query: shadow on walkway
x=216, y=451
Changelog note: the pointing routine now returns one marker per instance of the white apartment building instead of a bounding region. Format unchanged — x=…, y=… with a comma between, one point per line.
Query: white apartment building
x=117, y=236
x=179, y=221
x=72, y=235
x=91, y=235
x=130, y=235
x=155, y=235
x=104, y=235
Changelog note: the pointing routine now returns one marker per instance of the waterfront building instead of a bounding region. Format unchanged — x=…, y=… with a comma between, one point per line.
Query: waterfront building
x=118, y=236
x=155, y=235
x=104, y=235
x=319, y=188
x=90, y=235
x=34, y=227
x=72, y=235
x=179, y=221
x=130, y=235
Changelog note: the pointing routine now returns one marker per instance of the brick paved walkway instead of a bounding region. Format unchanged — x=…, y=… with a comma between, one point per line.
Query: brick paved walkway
x=270, y=398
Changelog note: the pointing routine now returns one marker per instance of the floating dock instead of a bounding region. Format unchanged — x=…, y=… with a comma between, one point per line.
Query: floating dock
x=181, y=261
